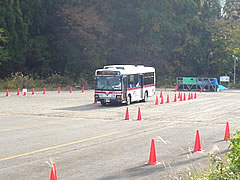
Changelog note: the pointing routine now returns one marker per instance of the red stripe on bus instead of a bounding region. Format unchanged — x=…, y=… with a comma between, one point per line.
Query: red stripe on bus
x=109, y=92
x=129, y=89
x=145, y=86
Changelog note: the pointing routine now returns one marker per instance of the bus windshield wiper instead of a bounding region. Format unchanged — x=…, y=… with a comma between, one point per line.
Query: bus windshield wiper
x=103, y=87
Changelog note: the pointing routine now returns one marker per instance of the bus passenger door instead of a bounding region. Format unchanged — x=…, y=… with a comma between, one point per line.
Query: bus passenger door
x=140, y=81
x=125, y=85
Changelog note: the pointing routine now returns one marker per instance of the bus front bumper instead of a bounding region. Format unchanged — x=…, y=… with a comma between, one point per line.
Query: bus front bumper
x=118, y=99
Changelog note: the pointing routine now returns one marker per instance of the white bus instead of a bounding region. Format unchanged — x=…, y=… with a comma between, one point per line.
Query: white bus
x=124, y=84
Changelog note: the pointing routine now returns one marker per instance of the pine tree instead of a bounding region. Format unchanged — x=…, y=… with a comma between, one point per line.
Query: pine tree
x=16, y=34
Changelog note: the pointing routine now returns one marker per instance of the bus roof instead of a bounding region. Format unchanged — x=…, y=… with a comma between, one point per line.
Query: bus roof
x=126, y=69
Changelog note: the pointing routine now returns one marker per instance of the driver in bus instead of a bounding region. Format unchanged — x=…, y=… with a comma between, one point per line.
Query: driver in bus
x=116, y=84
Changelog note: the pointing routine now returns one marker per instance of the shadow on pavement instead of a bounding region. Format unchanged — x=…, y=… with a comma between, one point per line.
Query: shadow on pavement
x=88, y=107
x=147, y=170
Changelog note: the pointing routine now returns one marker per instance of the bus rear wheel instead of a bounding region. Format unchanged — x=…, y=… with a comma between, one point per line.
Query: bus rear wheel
x=128, y=100
x=145, y=97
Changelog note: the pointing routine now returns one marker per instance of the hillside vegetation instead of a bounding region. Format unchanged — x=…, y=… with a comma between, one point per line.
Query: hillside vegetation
x=74, y=37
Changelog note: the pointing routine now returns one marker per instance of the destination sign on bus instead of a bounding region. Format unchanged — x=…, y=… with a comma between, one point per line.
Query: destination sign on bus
x=109, y=73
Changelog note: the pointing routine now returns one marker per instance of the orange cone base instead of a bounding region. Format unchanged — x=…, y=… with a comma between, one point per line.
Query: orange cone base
x=198, y=151
x=227, y=138
x=152, y=163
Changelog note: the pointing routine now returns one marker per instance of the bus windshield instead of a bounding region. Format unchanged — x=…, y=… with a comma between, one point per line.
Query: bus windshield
x=108, y=83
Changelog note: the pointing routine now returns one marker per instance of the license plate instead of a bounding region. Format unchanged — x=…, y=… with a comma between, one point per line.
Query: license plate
x=107, y=100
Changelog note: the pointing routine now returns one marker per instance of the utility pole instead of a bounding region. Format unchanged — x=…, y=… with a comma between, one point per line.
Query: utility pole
x=234, y=69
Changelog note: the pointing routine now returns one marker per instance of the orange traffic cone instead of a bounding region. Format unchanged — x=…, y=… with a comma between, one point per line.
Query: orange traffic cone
x=44, y=90
x=33, y=91
x=184, y=97
x=195, y=95
x=197, y=146
x=200, y=90
x=161, y=94
x=227, y=132
x=53, y=175
x=139, y=118
x=175, y=98
x=179, y=94
x=181, y=97
x=152, y=157
x=167, y=99
x=70, y=91
x=189, y=96
x=59, y=90
x=82, y=89
x=18, y=92
x=175, y=89
x=24, y=93
x=127, y=114
x=7, y=93
x=156, y=102
x=161, y=100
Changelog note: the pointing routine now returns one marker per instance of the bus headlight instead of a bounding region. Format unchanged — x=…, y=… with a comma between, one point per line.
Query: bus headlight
x=96, y=96
x=118, y=96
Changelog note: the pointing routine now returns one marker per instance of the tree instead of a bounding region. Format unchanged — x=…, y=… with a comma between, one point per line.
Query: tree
x=85, y=44
x=232, y=10
x=16, y=33
x=4, y=56
x=225, y=37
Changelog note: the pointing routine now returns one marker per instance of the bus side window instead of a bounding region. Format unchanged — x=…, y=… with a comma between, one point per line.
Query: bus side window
x=125, y=82
x=148, y=78
x=133, y=81
x=140, y=81
x=128, y=81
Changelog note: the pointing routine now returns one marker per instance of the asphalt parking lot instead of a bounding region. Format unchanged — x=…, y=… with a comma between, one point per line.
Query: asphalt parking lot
x=90, y=141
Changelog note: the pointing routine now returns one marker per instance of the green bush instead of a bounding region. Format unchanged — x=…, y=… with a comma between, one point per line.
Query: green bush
x=234, y=155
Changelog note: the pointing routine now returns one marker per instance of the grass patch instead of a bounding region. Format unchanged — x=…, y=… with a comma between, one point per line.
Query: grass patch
x=18, y=80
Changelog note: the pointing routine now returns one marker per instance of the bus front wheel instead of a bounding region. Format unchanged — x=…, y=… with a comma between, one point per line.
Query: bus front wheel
x=103, y=103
